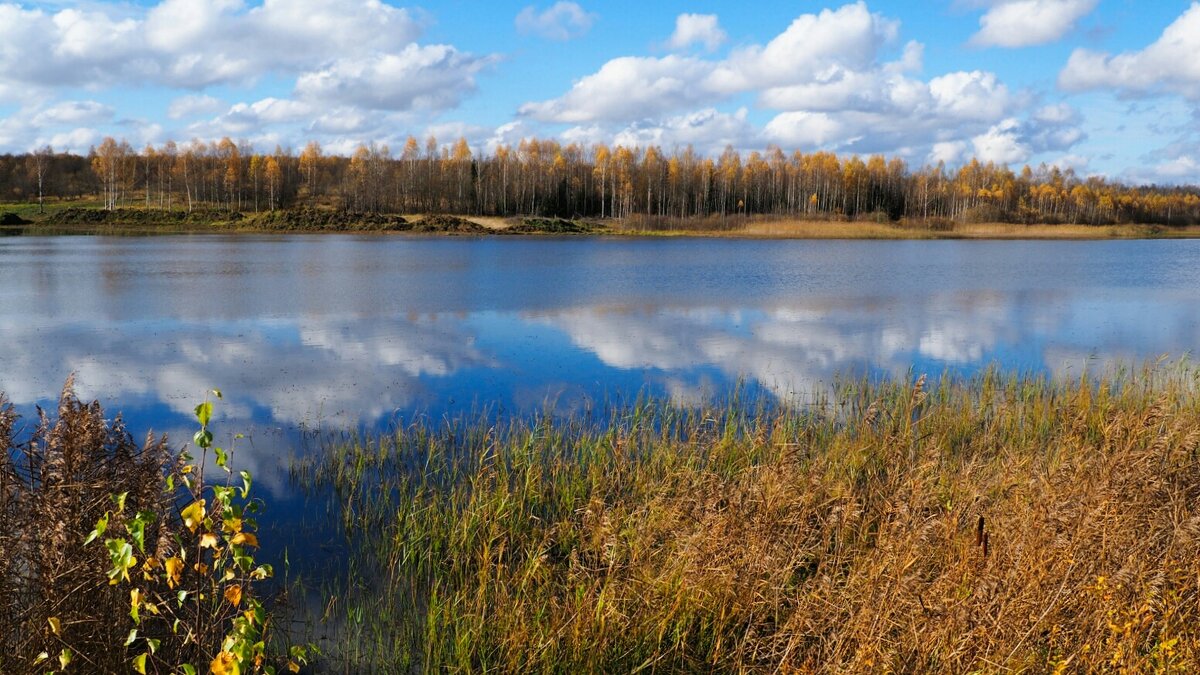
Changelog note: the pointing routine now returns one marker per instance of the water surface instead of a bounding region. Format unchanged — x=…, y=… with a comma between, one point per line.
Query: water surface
x=335, y=332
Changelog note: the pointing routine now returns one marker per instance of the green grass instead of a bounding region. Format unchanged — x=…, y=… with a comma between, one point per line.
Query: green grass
x=1001, y=523
x=30, y=211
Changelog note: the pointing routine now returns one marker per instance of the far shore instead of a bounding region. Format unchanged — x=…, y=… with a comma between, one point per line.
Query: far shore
x=82, y=218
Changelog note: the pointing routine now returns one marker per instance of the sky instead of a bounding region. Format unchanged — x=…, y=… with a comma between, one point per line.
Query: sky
x=1106, y=87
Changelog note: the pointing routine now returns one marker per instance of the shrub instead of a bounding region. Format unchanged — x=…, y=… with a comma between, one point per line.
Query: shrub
x=100, y=568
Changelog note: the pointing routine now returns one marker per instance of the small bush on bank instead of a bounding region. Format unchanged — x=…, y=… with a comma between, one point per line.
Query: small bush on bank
x=117, y=556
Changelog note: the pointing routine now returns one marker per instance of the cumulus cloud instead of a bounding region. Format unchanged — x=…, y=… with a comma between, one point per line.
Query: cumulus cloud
x=417, y=77
x=562, y=21
x=629, y=87
x=707, y=130
x=74, y=112
x=76, y=140
x=193, y=105
x=192, y=43
x=1023, y=23
x=835, y=79
x=1171, y=64
x=814, y=48
x=697, y=29
x=1001, y=144
x=850, y=38
x=245, y=118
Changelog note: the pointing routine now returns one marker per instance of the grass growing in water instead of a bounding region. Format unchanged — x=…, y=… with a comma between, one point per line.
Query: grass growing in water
x=998, y=523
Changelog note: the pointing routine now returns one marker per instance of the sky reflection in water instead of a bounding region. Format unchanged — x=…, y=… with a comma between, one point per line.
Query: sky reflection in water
x=346, y=332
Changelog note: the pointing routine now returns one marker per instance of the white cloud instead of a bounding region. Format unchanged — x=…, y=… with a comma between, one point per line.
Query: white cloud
x=808, y=130
x=975, y=95
x=76, y=140
x=1179, y=168
x=1001, y=144
x=74, y=112
x=193, y=43
x=1170, y=64
x=848, y=38
x=423, y=77
x=707, y=130
x=697, y=29
x=249, y=118
x=827, y=76
x=627, y=88
x=562, y=21
x=193, y=105
x=949, y=152
x=1023, y=23
x=814, y=48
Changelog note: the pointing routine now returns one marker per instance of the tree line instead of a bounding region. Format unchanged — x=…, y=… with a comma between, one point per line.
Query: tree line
x=548, y=178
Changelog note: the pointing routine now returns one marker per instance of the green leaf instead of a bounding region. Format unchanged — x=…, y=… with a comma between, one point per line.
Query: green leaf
x=153, y=644
x=217, y=393
x=204, y=413
x=222, y=458
x=42, y=656
x=132, y=636
x=203, y=438
x=245, y=483
x=120, y=501
x=98, y=531
x=139, y=663
x=64, y=657
x=137, y=528
x=188, y=668
x=120, y=553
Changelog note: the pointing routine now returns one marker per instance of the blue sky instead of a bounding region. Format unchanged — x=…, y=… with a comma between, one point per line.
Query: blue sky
x=1107, y=87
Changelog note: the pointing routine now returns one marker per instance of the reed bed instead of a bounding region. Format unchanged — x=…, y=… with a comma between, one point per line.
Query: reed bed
x=994, y=524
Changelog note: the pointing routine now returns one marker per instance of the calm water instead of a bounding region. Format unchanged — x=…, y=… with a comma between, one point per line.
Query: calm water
x=328, y=332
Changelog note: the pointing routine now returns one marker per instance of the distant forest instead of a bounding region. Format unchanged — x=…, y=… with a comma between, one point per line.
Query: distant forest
x=544, y=177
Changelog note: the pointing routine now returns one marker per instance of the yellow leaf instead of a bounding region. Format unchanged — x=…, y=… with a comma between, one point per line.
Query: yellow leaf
x=233, y=525
x=225, y=664
x=208, y=540
x=293, y=667
x=55, y=625
x=244, y=539
x=174, y=567
x=234, y=595
x=193, y=514
x=135, y=603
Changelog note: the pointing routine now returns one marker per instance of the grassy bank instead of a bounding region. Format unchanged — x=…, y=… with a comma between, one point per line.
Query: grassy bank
x=1002, y=523
x=85, y=217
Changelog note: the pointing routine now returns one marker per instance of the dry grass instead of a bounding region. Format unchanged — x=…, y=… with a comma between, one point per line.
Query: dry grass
x=53, y=489
x=794, y=228
x=1002, y=524
x=142, y=590
x=493, y=223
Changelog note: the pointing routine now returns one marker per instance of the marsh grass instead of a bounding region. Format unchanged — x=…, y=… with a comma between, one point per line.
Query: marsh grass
x=992, y=524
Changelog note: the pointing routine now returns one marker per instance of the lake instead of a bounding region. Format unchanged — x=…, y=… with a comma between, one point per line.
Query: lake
x=308, y=335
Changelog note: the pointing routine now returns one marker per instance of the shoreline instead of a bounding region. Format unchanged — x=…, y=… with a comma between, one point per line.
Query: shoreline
x=466, y=225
